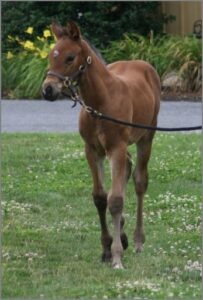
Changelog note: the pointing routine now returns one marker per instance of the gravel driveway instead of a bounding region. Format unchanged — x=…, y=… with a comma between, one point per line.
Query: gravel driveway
x=58, y=116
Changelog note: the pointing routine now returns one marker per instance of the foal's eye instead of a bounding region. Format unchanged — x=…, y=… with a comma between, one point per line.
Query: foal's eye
x=69, y=59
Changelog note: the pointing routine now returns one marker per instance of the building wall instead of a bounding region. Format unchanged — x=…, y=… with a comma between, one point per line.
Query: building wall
x=186, y=14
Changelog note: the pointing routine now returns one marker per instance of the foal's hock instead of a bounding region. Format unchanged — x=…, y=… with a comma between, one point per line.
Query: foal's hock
x=125, y=90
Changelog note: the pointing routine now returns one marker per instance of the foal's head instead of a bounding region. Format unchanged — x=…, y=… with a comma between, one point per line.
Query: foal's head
x=66, y=59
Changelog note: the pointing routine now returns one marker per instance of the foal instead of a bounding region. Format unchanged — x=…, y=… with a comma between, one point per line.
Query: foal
x=125, y=90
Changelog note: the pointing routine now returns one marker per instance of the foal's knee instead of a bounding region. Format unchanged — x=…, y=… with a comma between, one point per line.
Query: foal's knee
x=115, y=204
x=100, y=200
x=140, y=181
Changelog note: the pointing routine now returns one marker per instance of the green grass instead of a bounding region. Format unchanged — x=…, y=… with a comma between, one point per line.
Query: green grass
x=51, y=234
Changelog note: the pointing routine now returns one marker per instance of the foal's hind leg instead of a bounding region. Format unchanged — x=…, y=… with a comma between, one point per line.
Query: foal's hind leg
x=140, y=176
x=100, y=199
x=124, y=238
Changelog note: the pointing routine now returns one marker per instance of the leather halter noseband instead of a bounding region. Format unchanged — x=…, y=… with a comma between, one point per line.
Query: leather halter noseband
x=71, y=82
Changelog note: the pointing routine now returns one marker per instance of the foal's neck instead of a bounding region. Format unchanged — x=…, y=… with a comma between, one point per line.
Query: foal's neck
x=95, y=80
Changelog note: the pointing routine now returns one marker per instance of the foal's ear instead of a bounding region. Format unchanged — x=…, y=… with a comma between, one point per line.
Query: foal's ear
x=73, y=31
x=57, y=30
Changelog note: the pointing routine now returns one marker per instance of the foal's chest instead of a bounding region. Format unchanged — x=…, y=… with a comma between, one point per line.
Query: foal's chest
x=92, y=134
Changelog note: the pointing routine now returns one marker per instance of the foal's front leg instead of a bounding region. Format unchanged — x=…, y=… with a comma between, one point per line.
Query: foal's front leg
x=100, y=198
x=115, y=200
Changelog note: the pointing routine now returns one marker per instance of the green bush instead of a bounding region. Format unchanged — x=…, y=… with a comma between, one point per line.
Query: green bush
x=139, y=47
x=187, y=60
x=175, y=53
x=23, y=76
x=24, y=71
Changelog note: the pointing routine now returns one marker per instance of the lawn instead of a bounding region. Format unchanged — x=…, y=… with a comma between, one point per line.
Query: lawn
x=51, y=233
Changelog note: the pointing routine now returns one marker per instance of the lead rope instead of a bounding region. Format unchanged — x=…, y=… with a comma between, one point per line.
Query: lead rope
x=96, y=114
x=102, y=116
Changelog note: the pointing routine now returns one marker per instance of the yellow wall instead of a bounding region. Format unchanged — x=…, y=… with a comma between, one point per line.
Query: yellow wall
x=186, y=14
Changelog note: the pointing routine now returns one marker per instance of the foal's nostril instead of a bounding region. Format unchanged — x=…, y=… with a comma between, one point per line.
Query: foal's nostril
x=49, y=91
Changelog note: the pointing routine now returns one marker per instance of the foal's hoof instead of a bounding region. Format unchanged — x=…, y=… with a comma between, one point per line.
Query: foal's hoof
x=124, y=241
x=117, y=266
x=139, y=241
x=106, y=257
x=139, y=247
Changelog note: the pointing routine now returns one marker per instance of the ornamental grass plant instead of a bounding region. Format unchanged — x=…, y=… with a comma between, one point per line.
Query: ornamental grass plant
x=168, y=53
x=23, y=71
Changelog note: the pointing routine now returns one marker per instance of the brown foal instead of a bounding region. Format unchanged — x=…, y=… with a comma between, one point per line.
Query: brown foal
x=125, y=90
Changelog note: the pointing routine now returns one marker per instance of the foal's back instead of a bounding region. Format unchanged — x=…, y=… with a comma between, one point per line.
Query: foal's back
x=138, y=74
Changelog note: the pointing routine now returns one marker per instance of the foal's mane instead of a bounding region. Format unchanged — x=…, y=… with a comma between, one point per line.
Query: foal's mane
x=96, y=51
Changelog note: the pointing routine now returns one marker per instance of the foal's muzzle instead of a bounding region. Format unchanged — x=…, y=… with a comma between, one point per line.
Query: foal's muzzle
x=49, y=92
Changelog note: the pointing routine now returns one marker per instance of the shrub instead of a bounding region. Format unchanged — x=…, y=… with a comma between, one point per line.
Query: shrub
x=181, y=54
x=23, y=72
x=187, y=60
x=139, y=47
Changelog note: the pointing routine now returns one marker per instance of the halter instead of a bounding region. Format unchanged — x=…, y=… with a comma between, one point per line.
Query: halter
x=71, y=82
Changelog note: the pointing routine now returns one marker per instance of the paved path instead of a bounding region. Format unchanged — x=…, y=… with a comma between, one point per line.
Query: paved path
x=58, y=116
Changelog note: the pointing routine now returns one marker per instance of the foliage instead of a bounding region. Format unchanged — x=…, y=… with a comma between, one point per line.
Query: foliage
x=182, y=54
x=100, y=21
x=23, y=72
x=51, y=233
x=187, y=54
x=139, y=47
